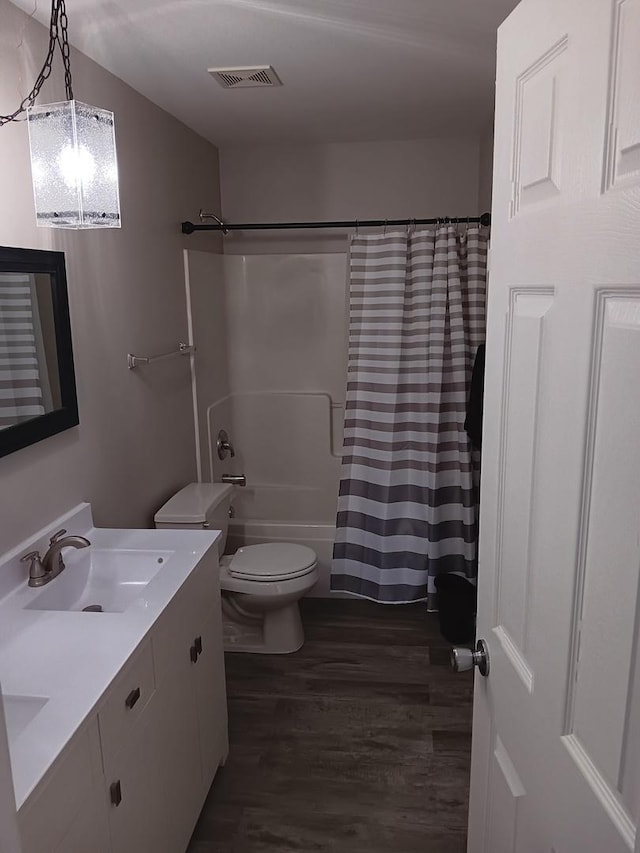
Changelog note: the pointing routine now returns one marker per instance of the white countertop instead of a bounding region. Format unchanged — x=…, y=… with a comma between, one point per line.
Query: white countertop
x=72, y=657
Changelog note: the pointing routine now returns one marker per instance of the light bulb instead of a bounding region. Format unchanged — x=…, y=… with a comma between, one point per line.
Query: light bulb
x=77, y=166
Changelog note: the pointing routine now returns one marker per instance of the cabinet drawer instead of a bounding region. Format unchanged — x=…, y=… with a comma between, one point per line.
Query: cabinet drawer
x=126, y=700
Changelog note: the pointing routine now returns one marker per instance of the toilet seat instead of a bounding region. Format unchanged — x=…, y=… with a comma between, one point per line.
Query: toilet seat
x=272, y=561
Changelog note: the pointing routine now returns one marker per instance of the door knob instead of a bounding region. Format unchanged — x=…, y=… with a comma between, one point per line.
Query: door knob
x=463, y=659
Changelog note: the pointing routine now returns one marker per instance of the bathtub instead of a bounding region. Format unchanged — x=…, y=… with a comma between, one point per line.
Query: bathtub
x=317, y=536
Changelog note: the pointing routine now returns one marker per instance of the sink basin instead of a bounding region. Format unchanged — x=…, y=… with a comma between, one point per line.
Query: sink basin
x=19, y=711
x=106, y=580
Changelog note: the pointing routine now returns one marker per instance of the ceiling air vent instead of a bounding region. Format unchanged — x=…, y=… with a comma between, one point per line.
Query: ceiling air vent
x=243, y=78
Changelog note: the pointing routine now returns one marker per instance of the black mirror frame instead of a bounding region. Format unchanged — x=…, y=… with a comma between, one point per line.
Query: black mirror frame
x=29, y=432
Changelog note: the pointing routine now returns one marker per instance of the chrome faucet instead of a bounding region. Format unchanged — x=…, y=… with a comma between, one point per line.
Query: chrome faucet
x=234, y=479
x=41, y=571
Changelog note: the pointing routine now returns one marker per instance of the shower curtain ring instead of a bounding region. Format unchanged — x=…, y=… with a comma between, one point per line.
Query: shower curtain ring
x=384, y=230
x=357, y=228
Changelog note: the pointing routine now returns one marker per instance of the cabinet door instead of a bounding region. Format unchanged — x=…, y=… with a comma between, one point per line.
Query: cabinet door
x=89, y=832
x=172, y=650
x=52, y=810
x=137, y=813
x=211, y=695
x=190, y=687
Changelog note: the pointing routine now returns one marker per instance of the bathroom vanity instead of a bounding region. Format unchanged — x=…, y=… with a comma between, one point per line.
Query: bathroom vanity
x=117, y=720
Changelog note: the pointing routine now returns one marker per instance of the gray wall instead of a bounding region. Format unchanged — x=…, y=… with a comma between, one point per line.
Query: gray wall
x=486, y=169
x=354, y=180
x=135, y=442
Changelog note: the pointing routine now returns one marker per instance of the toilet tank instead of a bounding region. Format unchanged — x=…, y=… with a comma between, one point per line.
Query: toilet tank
x=199, y=506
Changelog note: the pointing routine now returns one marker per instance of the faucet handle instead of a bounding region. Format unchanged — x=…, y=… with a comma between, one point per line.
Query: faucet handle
x=224, y=446
x=32, y=555
x=57, y=536
x=37, y=571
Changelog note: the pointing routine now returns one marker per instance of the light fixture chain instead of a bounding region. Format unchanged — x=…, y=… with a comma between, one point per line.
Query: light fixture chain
x=57, y=36
x=63, y=41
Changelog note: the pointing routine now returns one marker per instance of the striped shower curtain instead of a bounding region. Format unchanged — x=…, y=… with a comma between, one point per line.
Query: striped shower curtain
x=21, y=391
x=407, y=508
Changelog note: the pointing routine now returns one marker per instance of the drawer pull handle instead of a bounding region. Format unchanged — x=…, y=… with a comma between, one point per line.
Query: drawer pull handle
x=198, y=644
x=193, y=654
x=115, y=792
x=132, y=698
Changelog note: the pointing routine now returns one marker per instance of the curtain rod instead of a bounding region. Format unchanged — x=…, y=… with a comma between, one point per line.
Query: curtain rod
x=225, y=227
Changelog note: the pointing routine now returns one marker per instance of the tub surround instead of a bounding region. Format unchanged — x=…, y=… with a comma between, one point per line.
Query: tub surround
x=291, y=462
x=69, y=659
x=239, y=308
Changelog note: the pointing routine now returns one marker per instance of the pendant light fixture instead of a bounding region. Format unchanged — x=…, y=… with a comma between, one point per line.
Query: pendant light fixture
x=73, y=149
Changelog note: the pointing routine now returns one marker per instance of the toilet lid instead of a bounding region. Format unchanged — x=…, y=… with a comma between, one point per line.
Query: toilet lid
x=272, y=561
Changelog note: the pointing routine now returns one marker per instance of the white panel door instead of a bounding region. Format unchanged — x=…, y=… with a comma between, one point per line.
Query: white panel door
x=556, y=752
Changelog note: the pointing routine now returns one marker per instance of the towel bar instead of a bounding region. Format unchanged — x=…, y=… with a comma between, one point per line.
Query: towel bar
x=135, y=360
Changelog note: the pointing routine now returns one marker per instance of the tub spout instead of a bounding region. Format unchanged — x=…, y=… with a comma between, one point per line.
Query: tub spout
x=234, y=479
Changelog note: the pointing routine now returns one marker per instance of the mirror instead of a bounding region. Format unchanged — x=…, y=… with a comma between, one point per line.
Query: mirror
x=37, y=380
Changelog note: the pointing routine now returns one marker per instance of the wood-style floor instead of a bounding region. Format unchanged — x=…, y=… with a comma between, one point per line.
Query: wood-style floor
x=358, y=743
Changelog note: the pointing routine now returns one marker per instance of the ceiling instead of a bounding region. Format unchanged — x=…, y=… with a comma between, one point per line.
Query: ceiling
x=351, y=69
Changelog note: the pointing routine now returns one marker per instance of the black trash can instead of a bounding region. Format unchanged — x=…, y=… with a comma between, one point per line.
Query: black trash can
x=457, y=608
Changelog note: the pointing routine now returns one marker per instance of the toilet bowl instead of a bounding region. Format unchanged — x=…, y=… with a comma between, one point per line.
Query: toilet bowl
x=260, y=584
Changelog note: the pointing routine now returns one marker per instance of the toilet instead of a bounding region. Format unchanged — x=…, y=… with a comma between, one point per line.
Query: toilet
x=260, y=584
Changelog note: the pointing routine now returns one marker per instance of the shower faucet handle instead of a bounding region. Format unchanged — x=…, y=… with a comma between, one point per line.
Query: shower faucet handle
x=224, y=446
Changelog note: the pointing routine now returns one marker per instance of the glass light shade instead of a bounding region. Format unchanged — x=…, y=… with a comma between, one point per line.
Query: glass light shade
x=74, y=166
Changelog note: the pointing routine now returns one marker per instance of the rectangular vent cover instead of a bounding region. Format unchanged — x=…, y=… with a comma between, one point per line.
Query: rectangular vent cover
x=243, y=78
